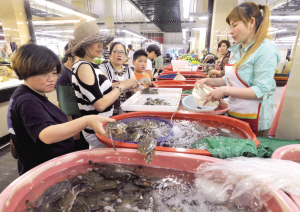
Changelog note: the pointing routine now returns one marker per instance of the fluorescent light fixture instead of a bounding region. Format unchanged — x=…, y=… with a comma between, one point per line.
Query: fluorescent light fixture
x=277, y=31
x=104, y=30
x=203, y=18
x=198, y=28
x=62, y=7
x=2, y=34
x=57, y=31
x=55, y=22
x=191, y=18
x=272, y=28
x=286, y=17
x=186, y=8
x=292, y=38
x=41, y=33
x=133, y=33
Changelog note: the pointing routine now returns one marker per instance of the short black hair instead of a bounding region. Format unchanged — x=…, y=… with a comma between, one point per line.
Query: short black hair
x=112, y=45
x=154, y=48
x=66, y=56
x=130, y=46
x=32, y=60
x=139, y=53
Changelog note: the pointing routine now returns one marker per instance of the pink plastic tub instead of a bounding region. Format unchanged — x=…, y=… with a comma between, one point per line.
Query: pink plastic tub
x=289, y=152
x=33, y=183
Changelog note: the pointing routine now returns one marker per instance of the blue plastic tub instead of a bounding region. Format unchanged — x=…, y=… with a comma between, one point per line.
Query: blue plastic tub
x=159, y=140
x=167, y=76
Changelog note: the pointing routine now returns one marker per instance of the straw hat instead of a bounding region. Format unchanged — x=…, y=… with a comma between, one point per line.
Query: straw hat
x=88, y=33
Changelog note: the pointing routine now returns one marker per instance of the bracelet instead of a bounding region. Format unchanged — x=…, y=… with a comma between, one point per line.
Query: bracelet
x=120, y=89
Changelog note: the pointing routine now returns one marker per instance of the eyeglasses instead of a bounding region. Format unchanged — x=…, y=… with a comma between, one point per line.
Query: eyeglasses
x=48, y=76
x=117, y=52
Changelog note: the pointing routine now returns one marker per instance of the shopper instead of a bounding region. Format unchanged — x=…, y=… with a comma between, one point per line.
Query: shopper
x=117, y=73
x=39, y=130
x=159, y=62
x=249, y=76
x=153, y=51
x=66, y=79
x=219, y=70
x=94, y=92
x=130, y=57
x=140, y=65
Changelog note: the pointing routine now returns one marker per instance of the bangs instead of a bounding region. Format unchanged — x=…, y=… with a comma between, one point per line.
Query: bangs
x=236, y=14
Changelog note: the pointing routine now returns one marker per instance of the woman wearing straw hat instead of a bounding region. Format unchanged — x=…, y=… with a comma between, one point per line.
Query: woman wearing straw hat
x=94, y=91
x=249, y=75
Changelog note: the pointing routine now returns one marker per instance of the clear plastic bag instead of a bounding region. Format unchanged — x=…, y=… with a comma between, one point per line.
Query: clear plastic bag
x=179, y=76
x=248, y=182
x=198, y=94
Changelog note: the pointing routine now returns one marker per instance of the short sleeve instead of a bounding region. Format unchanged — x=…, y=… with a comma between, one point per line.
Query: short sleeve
x=265, y=65
x=149, y=65
x=35, y=118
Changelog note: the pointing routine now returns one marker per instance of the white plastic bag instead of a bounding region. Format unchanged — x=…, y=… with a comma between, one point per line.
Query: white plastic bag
x=248, y=182
x=198, y=94
x=179, y=76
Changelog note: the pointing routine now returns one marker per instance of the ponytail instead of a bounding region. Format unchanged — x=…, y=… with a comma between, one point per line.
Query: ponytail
x=245, y=12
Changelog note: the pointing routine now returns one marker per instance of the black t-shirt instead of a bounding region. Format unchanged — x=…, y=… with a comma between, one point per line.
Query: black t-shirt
x=28, y=114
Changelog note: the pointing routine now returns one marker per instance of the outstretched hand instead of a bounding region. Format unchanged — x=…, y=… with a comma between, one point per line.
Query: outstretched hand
x=96, y=123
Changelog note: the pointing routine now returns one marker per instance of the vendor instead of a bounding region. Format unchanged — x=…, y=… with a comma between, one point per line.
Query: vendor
x=117, y=73
x=94, y=91
x=39, y=130
x=223, y=46
x=153, y=51
x=250, y=70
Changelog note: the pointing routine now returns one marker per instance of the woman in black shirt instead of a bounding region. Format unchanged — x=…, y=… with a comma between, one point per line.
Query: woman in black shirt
x=38, y=129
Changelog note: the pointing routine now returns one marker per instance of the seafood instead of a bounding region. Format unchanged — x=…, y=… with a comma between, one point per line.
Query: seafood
x=150, y=91
x=118, y=127
x=156, y=101
x=147, y=147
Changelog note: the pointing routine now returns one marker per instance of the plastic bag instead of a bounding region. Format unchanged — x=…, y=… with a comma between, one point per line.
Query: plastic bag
x=198, y=94
x=179, y=76
x=225, y=147
x=248, y=182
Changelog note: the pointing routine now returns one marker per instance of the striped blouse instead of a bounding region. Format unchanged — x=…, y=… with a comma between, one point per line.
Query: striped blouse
x=87, y=95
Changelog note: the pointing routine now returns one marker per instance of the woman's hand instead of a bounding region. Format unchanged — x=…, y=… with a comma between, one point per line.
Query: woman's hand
x=201, y=82
x=215, y=95
x=129, y=83
x=214, y=72
x=153, y=84
x=96, y=123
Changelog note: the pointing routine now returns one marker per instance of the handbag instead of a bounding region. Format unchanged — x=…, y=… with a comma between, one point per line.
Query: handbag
x=67, y=100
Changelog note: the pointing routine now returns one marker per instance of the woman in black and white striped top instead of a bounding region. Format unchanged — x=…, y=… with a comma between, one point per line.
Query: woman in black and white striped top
x=95, y=93
x=117, y=73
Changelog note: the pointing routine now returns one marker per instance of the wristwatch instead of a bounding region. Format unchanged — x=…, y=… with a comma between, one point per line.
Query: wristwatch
x=120, y=89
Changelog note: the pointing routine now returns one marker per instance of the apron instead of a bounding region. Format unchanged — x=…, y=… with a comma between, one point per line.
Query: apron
x=245, y=110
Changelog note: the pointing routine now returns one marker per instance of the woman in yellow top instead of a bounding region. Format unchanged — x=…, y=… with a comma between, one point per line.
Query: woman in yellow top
x=249, y=75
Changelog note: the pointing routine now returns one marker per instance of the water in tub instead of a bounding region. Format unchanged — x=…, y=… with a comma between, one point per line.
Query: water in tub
x=111, y=187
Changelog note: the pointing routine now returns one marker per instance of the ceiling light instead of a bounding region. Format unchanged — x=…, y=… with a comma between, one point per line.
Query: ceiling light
x=281, y=17
x=186, y=8
x=287, y=38
x=56, y=22
x=57, y=31
x=65, y=8
x=203, y=18
x=133, y=33
x=198, y=28
x=277, y=31
x=104, y=30
x=41, y=33
x=272, y=28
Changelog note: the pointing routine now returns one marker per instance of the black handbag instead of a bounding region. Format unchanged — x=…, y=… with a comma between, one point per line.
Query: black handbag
x=67, y=100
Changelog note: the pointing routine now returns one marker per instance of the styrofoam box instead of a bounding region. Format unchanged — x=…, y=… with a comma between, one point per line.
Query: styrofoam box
x=180, y=63
x=186, y=68
x=136, y=102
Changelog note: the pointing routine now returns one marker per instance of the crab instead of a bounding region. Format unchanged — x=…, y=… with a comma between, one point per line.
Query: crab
x=80, y=206
x=118, y=127
x=135, y=136
x=98, y=200
x=147, y=147
x=51, y=194
x=149, y=91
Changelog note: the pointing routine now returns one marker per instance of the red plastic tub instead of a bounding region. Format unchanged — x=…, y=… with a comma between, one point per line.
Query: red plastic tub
x=171, y=82
x=33, y=183
x=237, y=126
x=289, y=152
x=182, y=72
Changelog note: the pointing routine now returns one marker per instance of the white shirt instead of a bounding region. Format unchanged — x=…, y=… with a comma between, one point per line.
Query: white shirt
x=130, y=55
x=149, y=65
